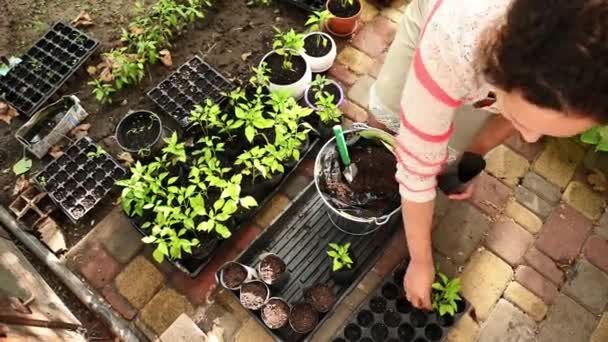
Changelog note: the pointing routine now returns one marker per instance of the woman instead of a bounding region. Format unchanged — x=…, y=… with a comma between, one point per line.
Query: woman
x=545, y=61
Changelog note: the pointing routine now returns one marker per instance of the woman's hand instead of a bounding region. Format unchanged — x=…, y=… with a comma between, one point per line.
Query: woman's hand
x=417, y=283
x=467, y=193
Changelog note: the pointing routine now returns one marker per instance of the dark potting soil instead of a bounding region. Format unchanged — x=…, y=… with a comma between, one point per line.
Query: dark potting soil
x=321, y=297
x=253, y=295
x=271, y=268
x=280, y=76
x=275, y=313
x=234, y=275
x=346, y=11
x=330, y=88
x=303, y=317
x=317, y=47
x=140, y=130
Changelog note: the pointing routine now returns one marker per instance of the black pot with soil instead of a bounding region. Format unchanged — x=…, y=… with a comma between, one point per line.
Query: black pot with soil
x=140, y=131
x=275, y=313
x=457, y=175
x=303, y=318
x=321, y=297
x=261, y=187
x=254, y=294
x=233, y=274
x=345, y=276
x=273, y=271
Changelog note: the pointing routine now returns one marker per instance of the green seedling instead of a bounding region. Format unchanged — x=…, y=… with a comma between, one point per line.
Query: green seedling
x=99, y=152
x=444, y=296
x=340, y=256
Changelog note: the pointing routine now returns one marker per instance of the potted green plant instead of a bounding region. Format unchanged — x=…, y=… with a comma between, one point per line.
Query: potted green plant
x=323, y=86
x=289, y=70
x=140, y=130
x=319, y=47
x=346, y=16
x=328, y=114
x=343, y=263
x=445, y=295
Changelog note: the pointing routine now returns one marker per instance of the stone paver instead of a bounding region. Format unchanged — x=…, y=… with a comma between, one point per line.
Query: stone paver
x=506, y=165
x=542, y=187
x=544, y=265
x=484, y=279
x=183, y=330
x=98, y=266
x=394, y=254
x=466, y=330
x=353, y=111
x=596, y=251
x=446, y=265
x=252, y=331
x=295, y=185
x=558, y=162
x=359, y=92
x=585, y=200
x=342, y=74
x=509, y=241
x=139, y=281
x=589, y=286
x=601, y=331
x=529, y=151
x=460, y=232
x=355, y=60
x=377, y=67
x=333, y=324
x=567, y=321
x=118, y=302
x=369, y=11
x=277, y=204
x=506, y=323
x=532, y=201
x=375, y=37
x=118, y=236
x=526, y=301
x=602, y=226
x=563, y=234
x=536, y=283
x=490, y=194
x=164, y=309
x=523, y=216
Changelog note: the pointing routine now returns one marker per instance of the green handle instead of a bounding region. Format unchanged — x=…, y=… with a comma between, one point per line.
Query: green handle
x=341, y=143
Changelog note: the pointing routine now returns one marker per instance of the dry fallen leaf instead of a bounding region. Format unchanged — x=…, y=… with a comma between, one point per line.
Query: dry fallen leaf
x=91, y=70
x=106, y=75
x=598, y=180
x=80, y=131
x=165, y=57
x=83, y=19
x=136, y=30
x=126, y=158
x=20, y=184
x=56, y=151
x=7, y=113
x=245, y=56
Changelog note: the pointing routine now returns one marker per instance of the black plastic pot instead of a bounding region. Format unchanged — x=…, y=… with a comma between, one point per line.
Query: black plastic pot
x=456, y=176
x=345, y=276
x=308, y=5
x=326, y=129
x=260, y=189
x=140, y=130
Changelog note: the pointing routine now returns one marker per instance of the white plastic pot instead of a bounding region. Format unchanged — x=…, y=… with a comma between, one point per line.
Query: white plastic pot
x=323, y=63
x=296, y=89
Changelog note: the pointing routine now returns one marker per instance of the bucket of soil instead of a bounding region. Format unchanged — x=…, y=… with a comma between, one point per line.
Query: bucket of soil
x=320, y=51
x=321, y=297
x=233, y=274
x=346, y=16
x=293, y=81
x=139, y=131
x=254, y=294
x=272, y=270
x=303, y=318
x=275, y=313
x=372, y=199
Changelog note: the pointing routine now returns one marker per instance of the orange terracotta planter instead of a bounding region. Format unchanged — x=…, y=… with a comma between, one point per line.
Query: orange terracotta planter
x=343, y=26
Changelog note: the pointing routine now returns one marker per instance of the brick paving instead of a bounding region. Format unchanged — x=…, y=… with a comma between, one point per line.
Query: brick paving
x=530, y=247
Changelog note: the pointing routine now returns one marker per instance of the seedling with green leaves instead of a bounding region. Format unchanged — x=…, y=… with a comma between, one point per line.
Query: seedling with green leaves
x=444, y=296
x=251, y=114
x=315, y=23
x=288, y=44
x=597, y=136
x=22, y=166
x=327, y=110
x=340, y=256
x=318, y=84
x=99, y=152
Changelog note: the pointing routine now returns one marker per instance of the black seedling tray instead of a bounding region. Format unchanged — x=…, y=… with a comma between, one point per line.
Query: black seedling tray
x=77, y=182
x=300, y=237
x=192, y=83
x=308, y=5
x=193, y=266
x=387, y=313
x=46, y=66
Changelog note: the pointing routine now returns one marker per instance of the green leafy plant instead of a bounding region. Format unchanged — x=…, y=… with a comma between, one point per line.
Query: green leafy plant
x=444, y=296
x=175, y=151
x=251, y=114
x=597, y=136
x=315, y=23
x=340, y=256
x=260, y=78
x=22, y=166
x=102, y=91
x=210, y=116
x=318, y=84
x=99, y=151
x=288, y=44
x=327, y=110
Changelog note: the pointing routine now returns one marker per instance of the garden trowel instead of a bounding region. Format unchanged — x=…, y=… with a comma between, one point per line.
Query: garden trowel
x=350, y=170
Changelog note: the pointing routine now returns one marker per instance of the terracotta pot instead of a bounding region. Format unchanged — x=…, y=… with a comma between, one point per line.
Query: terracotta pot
x=343, y=27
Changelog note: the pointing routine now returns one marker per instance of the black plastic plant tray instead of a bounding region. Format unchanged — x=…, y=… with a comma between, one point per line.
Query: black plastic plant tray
x=386, y=313
x=192, y=83
x=193, y=267
x=301, y=237
x=46, y=66
x=308, y=5
x=77, y=182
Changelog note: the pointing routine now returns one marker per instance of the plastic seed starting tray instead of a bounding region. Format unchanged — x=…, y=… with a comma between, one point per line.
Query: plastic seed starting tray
x=308, y=5
x=46, y=66
x=300, y=237
x=77, y=182
x=387, y=316
x=192, y=83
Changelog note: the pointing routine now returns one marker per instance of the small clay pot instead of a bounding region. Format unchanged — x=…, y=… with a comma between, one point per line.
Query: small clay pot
x=254, y=294
x=272, y=270
x=303, y=318
x=233, y=274
x=342, y=26
x=275, y=313
x=321, y=297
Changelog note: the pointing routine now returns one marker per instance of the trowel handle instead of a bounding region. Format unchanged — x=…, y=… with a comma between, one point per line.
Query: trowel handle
x=341, y=143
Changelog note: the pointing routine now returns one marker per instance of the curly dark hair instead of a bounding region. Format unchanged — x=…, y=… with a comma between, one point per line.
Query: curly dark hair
x=555, y=52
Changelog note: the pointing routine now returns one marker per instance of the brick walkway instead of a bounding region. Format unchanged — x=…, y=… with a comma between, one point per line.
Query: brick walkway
x=531, y=246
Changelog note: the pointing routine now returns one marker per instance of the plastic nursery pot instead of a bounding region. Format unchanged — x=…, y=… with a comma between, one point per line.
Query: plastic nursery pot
x=320, y=55
x=344, y=276
x=333, y=88
x=139, y=130
x=289, y=164
x=345, y=19
x=233, y=274
x=303, y=318
x=260, y=189
x=456, y=176
x=272, y=270
x=275, y=313
x=325, y=129
x=291, y=82
x=321, y=297
x=254, y=294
